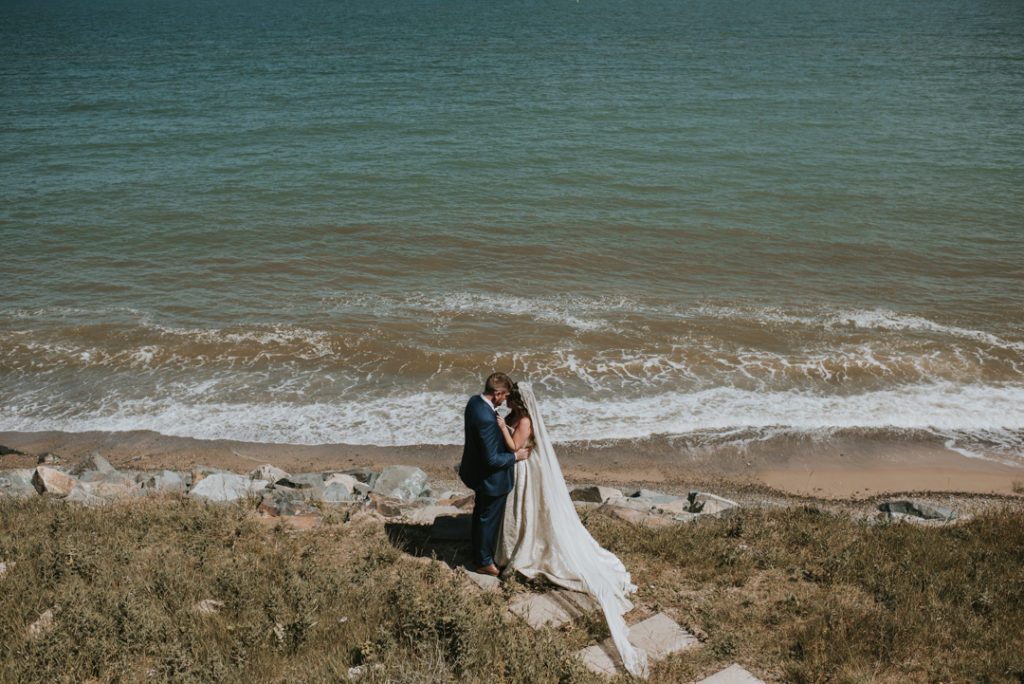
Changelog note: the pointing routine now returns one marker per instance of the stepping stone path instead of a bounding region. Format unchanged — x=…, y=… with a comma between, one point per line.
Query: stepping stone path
x=553, y=608
x=659, y=636
x=734, y=674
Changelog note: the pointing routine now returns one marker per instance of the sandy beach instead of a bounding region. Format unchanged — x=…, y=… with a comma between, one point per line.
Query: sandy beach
x=838, y=471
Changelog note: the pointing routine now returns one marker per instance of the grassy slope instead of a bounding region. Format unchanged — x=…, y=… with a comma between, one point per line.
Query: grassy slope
x=793, y=594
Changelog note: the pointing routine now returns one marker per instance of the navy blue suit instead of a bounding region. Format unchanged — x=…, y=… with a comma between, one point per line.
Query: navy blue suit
x=486, y=469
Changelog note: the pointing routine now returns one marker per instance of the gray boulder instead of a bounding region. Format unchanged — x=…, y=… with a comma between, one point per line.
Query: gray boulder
x=339, y=493
x=165, y=481
x=309, y=485
x=227, y=487
x=268, y=472
x=51, y=481
x=108, y=485
x=49, y=458
x=652, y=496
x=80, y=495
x=17, y=483
x=400, y=482
x=278, y=502
x=93, y=462
x=918, y=510
x=364, y=475
x=594, y=494
x=702, y=502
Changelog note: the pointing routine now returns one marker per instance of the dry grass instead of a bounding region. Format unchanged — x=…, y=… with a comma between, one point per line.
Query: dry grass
x=809, y=596
x=792, y=594
x=298, y=606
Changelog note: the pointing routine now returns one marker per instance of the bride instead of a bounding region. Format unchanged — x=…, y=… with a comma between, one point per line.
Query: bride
x=542, y=535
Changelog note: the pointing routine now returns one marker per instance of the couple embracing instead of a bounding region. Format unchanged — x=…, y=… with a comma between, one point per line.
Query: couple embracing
x=523, y=518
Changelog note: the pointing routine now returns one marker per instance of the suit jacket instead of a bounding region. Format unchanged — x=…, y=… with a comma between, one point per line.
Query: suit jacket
x=486, y=461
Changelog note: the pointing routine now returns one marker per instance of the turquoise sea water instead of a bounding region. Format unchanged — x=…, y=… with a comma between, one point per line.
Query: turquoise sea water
x=307, y=221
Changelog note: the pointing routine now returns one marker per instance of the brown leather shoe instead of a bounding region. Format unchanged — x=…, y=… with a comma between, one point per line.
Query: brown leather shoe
x=491, y=570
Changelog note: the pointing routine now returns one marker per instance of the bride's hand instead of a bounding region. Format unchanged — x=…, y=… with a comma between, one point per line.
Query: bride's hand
x=501, y=423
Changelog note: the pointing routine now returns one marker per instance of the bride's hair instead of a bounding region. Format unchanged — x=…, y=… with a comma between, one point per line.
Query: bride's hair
x=516, y=404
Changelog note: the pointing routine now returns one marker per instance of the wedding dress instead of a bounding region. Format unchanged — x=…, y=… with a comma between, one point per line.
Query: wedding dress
x=542, y=535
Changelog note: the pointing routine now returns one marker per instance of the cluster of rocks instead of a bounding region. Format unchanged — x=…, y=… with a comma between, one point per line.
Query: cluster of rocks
x=394, y=492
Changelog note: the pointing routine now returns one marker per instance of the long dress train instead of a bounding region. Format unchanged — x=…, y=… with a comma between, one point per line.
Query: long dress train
x=542, y=535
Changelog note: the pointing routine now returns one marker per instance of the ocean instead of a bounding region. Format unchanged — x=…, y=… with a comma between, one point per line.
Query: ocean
x=716, y=222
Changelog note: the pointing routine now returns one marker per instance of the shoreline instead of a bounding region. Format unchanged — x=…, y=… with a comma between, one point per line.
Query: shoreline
x=836, y=471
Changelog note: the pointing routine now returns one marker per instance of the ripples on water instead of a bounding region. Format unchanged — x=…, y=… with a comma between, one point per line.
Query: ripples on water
x=293, y=222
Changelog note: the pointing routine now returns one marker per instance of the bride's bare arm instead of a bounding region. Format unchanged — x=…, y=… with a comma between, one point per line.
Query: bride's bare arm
x=524, y=430
x=516, y=441
x=509, y=442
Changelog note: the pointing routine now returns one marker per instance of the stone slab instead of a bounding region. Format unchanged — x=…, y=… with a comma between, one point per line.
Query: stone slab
x=734, y=674
x=485, y=582
x=428, y=514
x=595, y=494
x=553, y=608
x=659, y=636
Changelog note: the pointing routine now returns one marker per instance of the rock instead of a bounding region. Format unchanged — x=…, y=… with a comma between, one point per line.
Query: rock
x=364, y=475
x=734, y=674
x=919, y=510
x=642, y=505
x=400, y=482
x=42, y=625
x=17, y=483
x=207, y=607
x=80, y=496
x=342, y=480
x=427, y=514
x=463, y=502
x=50, y=481
x=8, y=450
x=485, y=582
x=338, y=493
x=5, y=566
x=165, y=481
x=227, y=487
x=451, y=527
x=268, y=472
x=108, y=484
x=594, y=494
x=302, y=481
x=632, y=515
x=659, y=636
x=388, y=506
x=652, y=496
x=553, y=608
x=49, y=458
x=278, y=502
x=702, y=502
x=199, y=473
x=93, y=462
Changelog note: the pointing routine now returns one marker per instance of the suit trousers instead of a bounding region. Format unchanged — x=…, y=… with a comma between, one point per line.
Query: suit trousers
x=488, y=512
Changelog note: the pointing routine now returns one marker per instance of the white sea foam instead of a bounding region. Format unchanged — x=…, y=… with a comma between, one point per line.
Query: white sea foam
x=965, y=414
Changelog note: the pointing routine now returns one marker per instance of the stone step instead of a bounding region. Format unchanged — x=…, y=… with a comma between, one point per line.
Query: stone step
x=734, y=674
x=554, y=608
x=659, y=636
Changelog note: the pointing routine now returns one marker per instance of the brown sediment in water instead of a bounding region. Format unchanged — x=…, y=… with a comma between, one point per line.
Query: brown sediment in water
x=839, y=469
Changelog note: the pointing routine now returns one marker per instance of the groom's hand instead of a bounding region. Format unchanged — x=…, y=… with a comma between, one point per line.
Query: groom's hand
x=523, y=454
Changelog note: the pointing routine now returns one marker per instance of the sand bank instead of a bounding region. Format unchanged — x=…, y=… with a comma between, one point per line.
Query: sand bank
x=856, y=469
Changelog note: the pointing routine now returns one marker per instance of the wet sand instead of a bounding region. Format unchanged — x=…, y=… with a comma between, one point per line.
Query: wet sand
x=838, y=470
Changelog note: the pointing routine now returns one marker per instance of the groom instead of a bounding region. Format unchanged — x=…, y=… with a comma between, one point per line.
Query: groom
x=487, y=468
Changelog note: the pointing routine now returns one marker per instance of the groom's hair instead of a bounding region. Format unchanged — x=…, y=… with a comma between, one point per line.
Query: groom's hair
x=497, y=381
